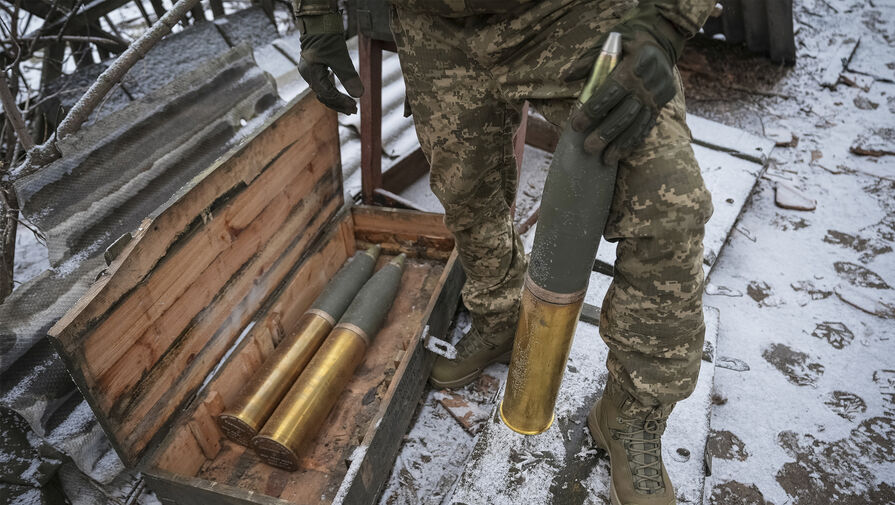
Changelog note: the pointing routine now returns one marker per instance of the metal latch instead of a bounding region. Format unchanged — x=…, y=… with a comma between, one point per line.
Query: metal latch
x=439, y=346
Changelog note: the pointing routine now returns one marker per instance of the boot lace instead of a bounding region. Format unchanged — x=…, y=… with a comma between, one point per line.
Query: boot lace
x=643, y=445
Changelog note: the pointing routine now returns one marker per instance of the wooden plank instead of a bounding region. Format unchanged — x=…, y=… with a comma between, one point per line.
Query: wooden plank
x=399, y=230
x=174, y=489
x=156, y=234
x=184, y=455
x=134, y=412
x=541, y=134
x=369, y=471
x=389, y=199
x=402, y=221
x=118, y=354
x=215, y=246
x=370, y=70
x=147, y=347
x=405, y=172
x=304, y=287
x=179, y=374
x=205, y=429
x=733, y=141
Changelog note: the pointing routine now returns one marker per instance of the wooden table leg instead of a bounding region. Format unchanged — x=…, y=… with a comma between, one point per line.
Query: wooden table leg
x=519, y=147
x=370, y=116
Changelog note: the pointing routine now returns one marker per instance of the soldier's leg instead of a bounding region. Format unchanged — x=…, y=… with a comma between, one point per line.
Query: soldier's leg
x=465, y=128
x=652, y=316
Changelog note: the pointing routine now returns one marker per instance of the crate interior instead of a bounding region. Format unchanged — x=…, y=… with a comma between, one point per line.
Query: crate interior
x=196, y=449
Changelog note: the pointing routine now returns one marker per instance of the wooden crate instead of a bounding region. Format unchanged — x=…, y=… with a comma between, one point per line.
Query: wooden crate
x=209, y=285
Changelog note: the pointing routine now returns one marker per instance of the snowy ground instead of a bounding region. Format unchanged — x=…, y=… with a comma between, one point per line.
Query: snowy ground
x=805, y=380
x=805, y=372
x=805, y=384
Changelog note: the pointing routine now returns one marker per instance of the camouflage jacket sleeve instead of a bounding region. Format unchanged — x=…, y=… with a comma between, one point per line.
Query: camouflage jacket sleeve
x=687, y=15
x=313, y=7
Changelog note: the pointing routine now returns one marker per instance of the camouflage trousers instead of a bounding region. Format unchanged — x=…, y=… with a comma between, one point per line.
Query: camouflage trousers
x=467, y=78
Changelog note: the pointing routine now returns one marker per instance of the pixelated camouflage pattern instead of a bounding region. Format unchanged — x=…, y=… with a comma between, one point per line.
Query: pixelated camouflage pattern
x=689, y=15
x=466, y=81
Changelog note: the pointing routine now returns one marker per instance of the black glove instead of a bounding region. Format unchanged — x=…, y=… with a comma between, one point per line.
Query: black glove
x=323, y=48
x=622, y=111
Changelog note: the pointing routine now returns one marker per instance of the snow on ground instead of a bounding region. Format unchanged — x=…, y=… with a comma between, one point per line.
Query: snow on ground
x=805, y=403
x=805, y=376
x=805, y=381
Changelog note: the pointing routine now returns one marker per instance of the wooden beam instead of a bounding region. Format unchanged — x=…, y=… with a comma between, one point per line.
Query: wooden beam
x=541, y=134
x=158, y=7
x=13, y=114
x=519, y=148
x=389, y=199
x=370, y=116
x=405, y=172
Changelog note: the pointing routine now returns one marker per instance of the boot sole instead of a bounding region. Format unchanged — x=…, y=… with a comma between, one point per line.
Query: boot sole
x=597, y=435
x=469, y=378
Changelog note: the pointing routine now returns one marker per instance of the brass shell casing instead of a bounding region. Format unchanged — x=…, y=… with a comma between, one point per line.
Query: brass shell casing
x=307, y=404
x=262, y=394
x=540, y=351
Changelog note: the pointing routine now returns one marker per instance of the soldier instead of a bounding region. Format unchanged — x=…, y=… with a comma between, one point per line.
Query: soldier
x=469, y=65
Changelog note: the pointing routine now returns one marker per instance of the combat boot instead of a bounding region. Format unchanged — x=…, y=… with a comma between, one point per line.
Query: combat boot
x=638, y=476
x=474, y=354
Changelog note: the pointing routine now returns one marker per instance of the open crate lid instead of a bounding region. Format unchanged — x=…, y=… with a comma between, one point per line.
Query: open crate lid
x=142, y=341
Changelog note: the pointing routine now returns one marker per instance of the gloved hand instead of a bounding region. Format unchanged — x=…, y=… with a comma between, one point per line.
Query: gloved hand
x=323, y=48
x=622, y=111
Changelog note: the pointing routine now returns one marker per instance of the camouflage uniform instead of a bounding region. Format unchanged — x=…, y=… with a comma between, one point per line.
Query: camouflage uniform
x=468, y=70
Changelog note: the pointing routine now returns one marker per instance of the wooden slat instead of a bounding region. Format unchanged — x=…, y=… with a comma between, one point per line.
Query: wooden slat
x=399, y=221
x=155, y=236
x=179, y=490
x=186, y=364
x=541, y=134
x=405, y=172
x=399, y=230
x=370, y=71
x=149, y=314
x=143, y=340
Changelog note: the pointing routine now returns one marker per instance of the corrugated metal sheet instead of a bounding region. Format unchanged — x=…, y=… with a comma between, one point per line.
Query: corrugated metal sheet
x=124, y=166
x=764, y=26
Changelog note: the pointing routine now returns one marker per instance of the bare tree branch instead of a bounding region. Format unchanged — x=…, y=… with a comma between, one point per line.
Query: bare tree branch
x=71, y=38
x=104, y=83
x=14, y=115
x=47, y=152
